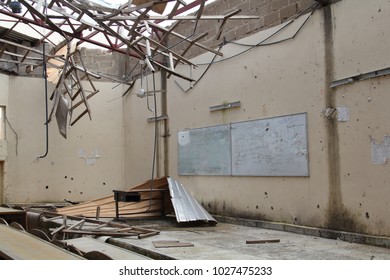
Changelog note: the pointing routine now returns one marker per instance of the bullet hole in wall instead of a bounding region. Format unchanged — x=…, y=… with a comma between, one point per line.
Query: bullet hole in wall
x=81, y=192
x=257, y=206
x=71, y=178
x=295, y=219
x=318, y=206
x=47, y=187
x=367, y=215
x=272, y=208
x=104, y=183
x=69, y=191
x=66, y=177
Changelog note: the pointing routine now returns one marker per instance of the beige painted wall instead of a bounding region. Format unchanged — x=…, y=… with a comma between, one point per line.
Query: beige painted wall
x=4, y=92
x=361, y=44
x=62, y=174
x=345, y=190
x=258, y=79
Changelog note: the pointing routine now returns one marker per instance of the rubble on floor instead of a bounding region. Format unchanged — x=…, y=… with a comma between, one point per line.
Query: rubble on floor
x=76, y=227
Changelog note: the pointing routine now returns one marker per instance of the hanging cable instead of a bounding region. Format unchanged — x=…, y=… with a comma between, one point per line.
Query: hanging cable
x=46, y=96
x=262, y=42
x=154, y=158
x=250, y=47
x=16, y=135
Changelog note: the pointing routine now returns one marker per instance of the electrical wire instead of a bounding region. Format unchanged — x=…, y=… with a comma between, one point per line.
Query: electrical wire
x=154, y=158
x=16, y=135
x=262, y=42
x=46, y=99
x=251, y=47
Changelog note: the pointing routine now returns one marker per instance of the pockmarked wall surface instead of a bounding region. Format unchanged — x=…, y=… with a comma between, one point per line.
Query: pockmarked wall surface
x=326, y=65
x=281, y=79
x=86, y=165
x=290, y=73
x=361, y=42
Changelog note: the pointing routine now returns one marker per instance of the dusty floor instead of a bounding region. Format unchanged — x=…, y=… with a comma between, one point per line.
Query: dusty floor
x=228, y=241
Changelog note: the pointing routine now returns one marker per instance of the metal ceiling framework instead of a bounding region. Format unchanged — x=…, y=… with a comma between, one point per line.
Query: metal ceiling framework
x=134, y=29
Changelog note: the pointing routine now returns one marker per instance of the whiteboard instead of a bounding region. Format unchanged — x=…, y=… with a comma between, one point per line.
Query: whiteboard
x=267, y=147
x=205, y=151
x=270, y=147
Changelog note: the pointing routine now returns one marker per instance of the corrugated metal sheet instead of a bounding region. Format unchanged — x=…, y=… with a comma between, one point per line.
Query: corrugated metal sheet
x=187, y=209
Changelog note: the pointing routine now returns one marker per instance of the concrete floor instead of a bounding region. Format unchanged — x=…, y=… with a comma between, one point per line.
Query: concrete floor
x=228, y=242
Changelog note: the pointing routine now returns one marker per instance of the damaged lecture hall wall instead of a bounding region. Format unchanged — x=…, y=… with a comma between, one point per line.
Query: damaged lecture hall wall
x=301, y=83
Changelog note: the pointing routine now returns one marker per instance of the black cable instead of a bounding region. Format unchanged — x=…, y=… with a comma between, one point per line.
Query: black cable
x=261, y=43
x=16, y=135
x=46, y=105
x=46, y=97
x=155, y=141
x=280, y=41
x=205, y=71
x=313, y=7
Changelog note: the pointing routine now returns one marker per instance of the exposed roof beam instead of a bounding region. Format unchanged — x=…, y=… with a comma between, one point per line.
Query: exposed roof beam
x=183, y=18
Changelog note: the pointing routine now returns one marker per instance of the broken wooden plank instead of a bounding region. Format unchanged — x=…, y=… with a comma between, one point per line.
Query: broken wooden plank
x=145, y=235
x=57, y=230
x=262, y=241
x=79, y=223
x=171, y=244
x=100, y=233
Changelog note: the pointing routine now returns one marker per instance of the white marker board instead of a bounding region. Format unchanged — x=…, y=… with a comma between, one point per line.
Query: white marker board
x=270, y=147
x=205, y=151
x=267, y=147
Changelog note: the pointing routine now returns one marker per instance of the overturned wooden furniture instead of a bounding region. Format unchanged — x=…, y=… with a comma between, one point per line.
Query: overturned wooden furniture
x=153, y=198
x=13, y=215
x=154, y=201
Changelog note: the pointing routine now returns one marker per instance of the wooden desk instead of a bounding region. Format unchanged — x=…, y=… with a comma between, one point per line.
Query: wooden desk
x=14, y=215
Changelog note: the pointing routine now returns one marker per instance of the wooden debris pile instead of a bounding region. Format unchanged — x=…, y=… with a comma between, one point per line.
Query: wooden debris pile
x=154, y=202
x=90, y=227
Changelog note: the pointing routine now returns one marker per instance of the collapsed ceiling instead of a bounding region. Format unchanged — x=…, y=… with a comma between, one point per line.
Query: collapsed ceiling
x=137, y=28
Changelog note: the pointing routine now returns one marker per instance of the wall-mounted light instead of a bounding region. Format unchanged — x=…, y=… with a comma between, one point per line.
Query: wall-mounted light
x=16, y=7
x=225, y=106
